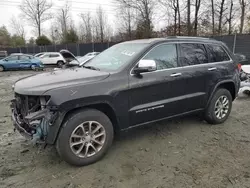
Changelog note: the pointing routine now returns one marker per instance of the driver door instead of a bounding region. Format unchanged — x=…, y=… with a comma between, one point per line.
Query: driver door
x=156, y=95
x=12, y=62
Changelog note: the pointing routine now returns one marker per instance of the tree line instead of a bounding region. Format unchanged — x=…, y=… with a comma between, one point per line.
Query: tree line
x=135, y=19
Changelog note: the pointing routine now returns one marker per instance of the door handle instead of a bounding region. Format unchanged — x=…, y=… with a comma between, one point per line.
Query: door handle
x=212, y=69
x=175, y=74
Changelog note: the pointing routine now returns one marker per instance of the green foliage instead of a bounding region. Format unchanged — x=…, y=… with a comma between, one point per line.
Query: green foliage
x=43, y=41
x=17, y=41
x=70, y=37
x=5, y=39
x=32, y=41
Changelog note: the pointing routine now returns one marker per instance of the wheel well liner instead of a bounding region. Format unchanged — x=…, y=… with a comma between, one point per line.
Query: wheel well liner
x=230, y=86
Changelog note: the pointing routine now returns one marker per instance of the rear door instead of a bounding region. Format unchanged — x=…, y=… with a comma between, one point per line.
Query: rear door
x=194, y=58
x=220, y=66
x=24, y=61
x=54, y=58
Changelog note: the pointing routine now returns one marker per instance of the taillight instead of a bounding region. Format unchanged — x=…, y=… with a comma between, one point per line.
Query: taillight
x=239, y=66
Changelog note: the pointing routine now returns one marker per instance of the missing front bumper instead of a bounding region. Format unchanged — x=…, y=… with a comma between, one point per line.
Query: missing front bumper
x=35, y=126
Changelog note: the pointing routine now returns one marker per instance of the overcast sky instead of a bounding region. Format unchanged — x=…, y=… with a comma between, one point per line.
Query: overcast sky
x=8, y=8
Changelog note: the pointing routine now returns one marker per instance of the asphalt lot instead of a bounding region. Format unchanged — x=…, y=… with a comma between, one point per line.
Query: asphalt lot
x=185, y=152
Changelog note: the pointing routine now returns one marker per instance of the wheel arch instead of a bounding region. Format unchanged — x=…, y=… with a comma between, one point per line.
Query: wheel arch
x=104, y=107
x=229, y=85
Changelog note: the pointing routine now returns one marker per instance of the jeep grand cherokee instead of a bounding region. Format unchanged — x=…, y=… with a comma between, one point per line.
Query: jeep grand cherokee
x=130, y=84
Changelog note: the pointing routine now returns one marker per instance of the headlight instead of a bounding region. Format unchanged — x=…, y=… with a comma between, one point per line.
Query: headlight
x=13, y=87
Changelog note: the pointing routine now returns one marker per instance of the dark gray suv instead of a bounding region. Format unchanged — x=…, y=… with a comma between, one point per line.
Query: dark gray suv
x=130, y=84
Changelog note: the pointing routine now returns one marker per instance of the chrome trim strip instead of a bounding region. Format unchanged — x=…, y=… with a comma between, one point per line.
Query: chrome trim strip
x=165, y=101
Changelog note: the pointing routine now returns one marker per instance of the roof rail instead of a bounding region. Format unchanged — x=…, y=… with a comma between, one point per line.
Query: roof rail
x=187, y=37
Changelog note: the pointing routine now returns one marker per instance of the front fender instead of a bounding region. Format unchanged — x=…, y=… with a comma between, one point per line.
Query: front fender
x=68, y=106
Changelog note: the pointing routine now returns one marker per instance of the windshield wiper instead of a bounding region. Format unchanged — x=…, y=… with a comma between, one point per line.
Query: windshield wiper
x=91, y=67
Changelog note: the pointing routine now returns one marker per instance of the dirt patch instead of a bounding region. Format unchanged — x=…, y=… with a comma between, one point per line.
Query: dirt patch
x=181, y=153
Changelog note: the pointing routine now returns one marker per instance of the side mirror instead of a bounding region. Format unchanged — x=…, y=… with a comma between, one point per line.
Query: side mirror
x=145, y=66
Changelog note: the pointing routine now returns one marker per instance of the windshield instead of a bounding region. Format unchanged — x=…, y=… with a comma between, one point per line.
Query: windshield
x=116, y=57
x=38, y=55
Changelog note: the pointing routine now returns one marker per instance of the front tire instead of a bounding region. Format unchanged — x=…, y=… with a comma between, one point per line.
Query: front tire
x=85, y=137
x=219, y=107
x=1, y=68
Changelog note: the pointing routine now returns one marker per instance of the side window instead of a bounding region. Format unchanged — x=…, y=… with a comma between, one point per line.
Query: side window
x=54, y=55
x=217, y=53
x=22, y=57
x=193, y=54
x=165, y=56
x=45, y=56
x=12, y=58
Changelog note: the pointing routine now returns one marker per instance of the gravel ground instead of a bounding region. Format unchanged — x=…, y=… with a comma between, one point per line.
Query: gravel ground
x=185, y=152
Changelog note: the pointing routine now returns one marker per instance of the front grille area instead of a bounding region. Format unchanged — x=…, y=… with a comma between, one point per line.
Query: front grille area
x=26, y=105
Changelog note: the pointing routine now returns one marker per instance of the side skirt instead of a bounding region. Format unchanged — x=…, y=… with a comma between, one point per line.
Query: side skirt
x=170, y=117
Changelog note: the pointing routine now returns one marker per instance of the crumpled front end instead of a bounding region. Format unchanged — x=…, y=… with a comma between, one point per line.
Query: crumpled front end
x=32, y=117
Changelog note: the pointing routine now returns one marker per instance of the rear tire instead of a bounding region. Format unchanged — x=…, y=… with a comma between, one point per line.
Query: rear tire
x=83, y=129
x=1, y=68
x=60, y=64
x=33, y=67
x=219, y=107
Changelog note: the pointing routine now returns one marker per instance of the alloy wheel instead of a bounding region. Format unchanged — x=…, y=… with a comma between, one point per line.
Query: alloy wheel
x=221, y=107
x=87, y=139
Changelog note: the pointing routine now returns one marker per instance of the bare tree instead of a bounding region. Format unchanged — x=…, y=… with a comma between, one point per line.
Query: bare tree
x=230, y=17
x=18, y=27
x=54, y=33
x=86, y=27
x=145, y=12
x=189, y=27
x=101, y=25
x=197, y=9
x=179, y=16
x=222, y=9
x=127, y=20
x=100, y=20
x=213, y=17
x=175, y=6
x=36, y=12
x=243, y=5
x=63, y=18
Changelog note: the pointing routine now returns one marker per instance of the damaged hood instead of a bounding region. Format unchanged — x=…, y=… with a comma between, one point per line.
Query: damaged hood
x=41, y=83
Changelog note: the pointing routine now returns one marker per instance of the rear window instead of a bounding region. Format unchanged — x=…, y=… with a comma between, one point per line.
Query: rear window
x=54, y=55
x=216, y=54
x=24, y=57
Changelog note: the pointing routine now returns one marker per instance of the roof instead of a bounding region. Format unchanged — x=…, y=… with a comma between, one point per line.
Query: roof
x=172, y=38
